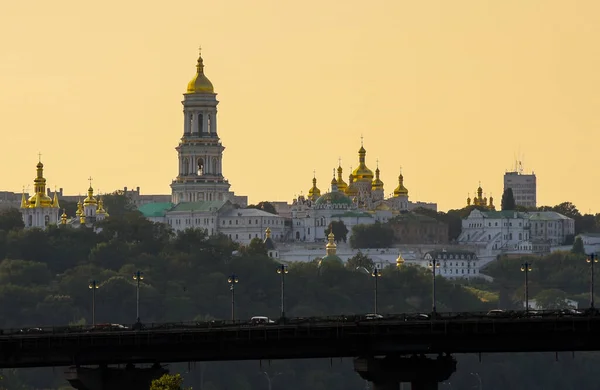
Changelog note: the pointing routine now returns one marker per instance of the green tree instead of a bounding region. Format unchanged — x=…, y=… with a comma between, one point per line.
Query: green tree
x=578, y=247
x=264, y=206
x=508, y=200
x=360, y=260
x=552, y=299
x=256, y=247
x=375, y=235
x=118, y=204
x=168, y=382
x=10, y=219
x=340, y=231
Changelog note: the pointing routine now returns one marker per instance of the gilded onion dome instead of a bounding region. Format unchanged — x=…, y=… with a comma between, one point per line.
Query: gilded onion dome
x=399, y=260
x=200, y=83
x=100, y=210
x=90, y=200
x=341, y=185
x=377, y=184
x=39, y=197
x=314, y=192
x=63, y=218
x=79, y=211
x=362, y=172
x=400, y=190
x=331, y=257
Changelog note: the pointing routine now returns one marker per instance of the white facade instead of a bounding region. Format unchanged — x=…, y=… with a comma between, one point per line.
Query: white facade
x=524, y=187
x=243, y=225
x=515, y=232
x=453, y=263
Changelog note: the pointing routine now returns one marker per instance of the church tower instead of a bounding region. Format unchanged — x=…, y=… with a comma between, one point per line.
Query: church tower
x=39, y=210
x=200, y=152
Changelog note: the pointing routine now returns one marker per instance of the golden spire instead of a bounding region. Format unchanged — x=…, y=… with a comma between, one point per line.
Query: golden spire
x=468, y=199
x=55, y=200
x=268, y=233
x=63, y=218
x=24, y=203
x=200, y=83
x=334, y=186
x=341, y=185
x=82, y=219
x=400, y=190
x=330, y=248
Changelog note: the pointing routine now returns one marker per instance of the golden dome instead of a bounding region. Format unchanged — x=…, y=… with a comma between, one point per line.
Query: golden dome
x=377, y=184
x=399, y=260
x=100, y=207
x=400, y=190
x=63, y=218
x=330, y=248
x=39, y=198
x=79, y=211
x=362, y=172
x=200, y=83
x=90, y=200
x=314, y=192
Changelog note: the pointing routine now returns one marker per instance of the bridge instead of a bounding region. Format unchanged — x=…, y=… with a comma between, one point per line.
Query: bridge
x=403, y=340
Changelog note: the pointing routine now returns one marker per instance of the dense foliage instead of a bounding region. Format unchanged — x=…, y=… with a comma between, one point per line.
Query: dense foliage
x=45, y=274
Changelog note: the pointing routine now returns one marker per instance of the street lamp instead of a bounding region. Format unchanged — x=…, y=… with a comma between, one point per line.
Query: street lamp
x=526, y=267
x=270, y=378
x=138, y=276
x=592, y=258
x=476, y=374
x=232, y=280
x=376, y=274
x=93, y=286
x=434, y=264
x=282, y=269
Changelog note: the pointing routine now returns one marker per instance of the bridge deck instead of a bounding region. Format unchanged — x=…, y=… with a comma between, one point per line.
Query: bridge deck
x=308, y=340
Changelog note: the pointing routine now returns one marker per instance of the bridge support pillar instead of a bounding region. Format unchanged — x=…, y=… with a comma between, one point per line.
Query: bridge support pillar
x=113, y=378
x=421, y=372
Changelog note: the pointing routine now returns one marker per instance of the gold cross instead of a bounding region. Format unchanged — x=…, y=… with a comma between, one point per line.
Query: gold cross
x=314, y=173
x=377, y=163
x=199, y=50
x=339, y=161
x=40, y=157
x=361, y=140
x=90, y=180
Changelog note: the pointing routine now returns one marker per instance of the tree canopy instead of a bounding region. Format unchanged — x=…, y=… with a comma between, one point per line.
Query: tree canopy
x=508, y=200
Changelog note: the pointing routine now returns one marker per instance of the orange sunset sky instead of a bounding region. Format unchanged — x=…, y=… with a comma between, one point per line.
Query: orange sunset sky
x=451, y=91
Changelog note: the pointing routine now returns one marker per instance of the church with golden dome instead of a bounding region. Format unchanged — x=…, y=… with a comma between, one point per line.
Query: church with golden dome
x=40, y=211
x=360, y=201
x=481, y=200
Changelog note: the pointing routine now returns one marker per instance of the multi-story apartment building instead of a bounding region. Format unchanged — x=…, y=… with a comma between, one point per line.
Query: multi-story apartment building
x=524, y=186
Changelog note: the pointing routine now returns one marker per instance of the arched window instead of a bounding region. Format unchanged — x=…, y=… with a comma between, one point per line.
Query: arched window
x=200, y=166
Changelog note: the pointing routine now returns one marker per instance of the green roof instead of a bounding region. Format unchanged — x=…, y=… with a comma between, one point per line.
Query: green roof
x=500, y=214
x=334, y=198
x=156, y=209
x=414, y=217
x=199, y=206
x=331, y=260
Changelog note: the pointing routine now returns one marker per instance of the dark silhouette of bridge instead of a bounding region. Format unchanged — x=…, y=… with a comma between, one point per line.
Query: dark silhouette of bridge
x=395, y=337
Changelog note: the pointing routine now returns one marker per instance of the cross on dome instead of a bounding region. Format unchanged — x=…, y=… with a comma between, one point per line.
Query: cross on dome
x=39, y=156
x=90, y=180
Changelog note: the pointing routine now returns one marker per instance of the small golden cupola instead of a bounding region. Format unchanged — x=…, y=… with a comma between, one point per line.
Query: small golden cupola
x=314, y=192
x=100, y=210
x=331, y=247
x=334, y=185
x=200, y=83
x=399, y=260
x=39, y=197
x=400, y=190
x=468, y=200
x=63, y=217
x=362, y=173
x=377, y=184
x=79, y=211
x=341, y=185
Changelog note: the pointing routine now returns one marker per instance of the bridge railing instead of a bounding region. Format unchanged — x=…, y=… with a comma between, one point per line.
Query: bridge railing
x=341, y=319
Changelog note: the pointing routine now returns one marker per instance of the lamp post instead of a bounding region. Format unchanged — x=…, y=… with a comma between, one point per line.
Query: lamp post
x=526, y=267
x=592, y=258
x=376, y=274
x=93, y=286
x=232, y=279
x=138, y=276
x=282, y=269
x=476, y=375
x=269, y=378
x=433, y=264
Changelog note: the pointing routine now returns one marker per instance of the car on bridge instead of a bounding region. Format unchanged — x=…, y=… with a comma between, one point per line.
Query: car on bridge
x=261, y=320
x=108, y=328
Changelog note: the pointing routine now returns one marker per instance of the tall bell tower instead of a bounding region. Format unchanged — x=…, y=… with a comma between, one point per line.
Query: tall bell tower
x=200, y=152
